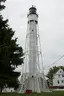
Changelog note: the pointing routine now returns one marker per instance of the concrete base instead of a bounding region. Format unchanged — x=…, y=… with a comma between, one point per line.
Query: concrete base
x=33, y=82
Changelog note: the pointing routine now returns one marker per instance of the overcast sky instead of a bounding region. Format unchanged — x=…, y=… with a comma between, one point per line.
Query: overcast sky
x=51, y=26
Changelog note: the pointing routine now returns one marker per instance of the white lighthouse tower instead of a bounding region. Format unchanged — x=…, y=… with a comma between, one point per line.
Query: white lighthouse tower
x=32, y=77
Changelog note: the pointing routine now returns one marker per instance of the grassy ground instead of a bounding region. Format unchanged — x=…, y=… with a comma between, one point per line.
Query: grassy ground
x=57, y=93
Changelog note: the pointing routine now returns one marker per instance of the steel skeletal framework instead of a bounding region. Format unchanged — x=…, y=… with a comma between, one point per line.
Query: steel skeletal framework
x=32, y=77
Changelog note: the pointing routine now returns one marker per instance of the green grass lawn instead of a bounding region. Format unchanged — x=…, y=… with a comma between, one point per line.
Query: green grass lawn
x=57, y=93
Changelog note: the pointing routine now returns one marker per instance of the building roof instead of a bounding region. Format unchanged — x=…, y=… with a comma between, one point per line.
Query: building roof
x=60, y=71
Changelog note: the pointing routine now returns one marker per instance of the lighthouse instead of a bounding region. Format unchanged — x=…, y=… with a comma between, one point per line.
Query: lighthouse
x=32, y=78
x=33, y=51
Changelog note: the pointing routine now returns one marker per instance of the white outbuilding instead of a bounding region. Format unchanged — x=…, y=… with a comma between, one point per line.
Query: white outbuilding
x=58, y=78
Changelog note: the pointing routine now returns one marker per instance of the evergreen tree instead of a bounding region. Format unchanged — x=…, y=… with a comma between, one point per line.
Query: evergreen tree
x=2, y=6
x=11, y=55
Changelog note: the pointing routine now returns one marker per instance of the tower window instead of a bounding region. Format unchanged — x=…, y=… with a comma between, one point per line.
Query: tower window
x=31, y=20
x=32, y=30
x=28, y=22
x=36, y=21
x=32, y=76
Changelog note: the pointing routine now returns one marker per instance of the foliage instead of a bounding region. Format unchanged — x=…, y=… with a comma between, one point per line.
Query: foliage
x=1, y=5
x=11, y=55
x=51, y=72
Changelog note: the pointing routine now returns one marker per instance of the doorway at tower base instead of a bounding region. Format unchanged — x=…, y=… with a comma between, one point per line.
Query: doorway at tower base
x=32, y=83
x=28, y=91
